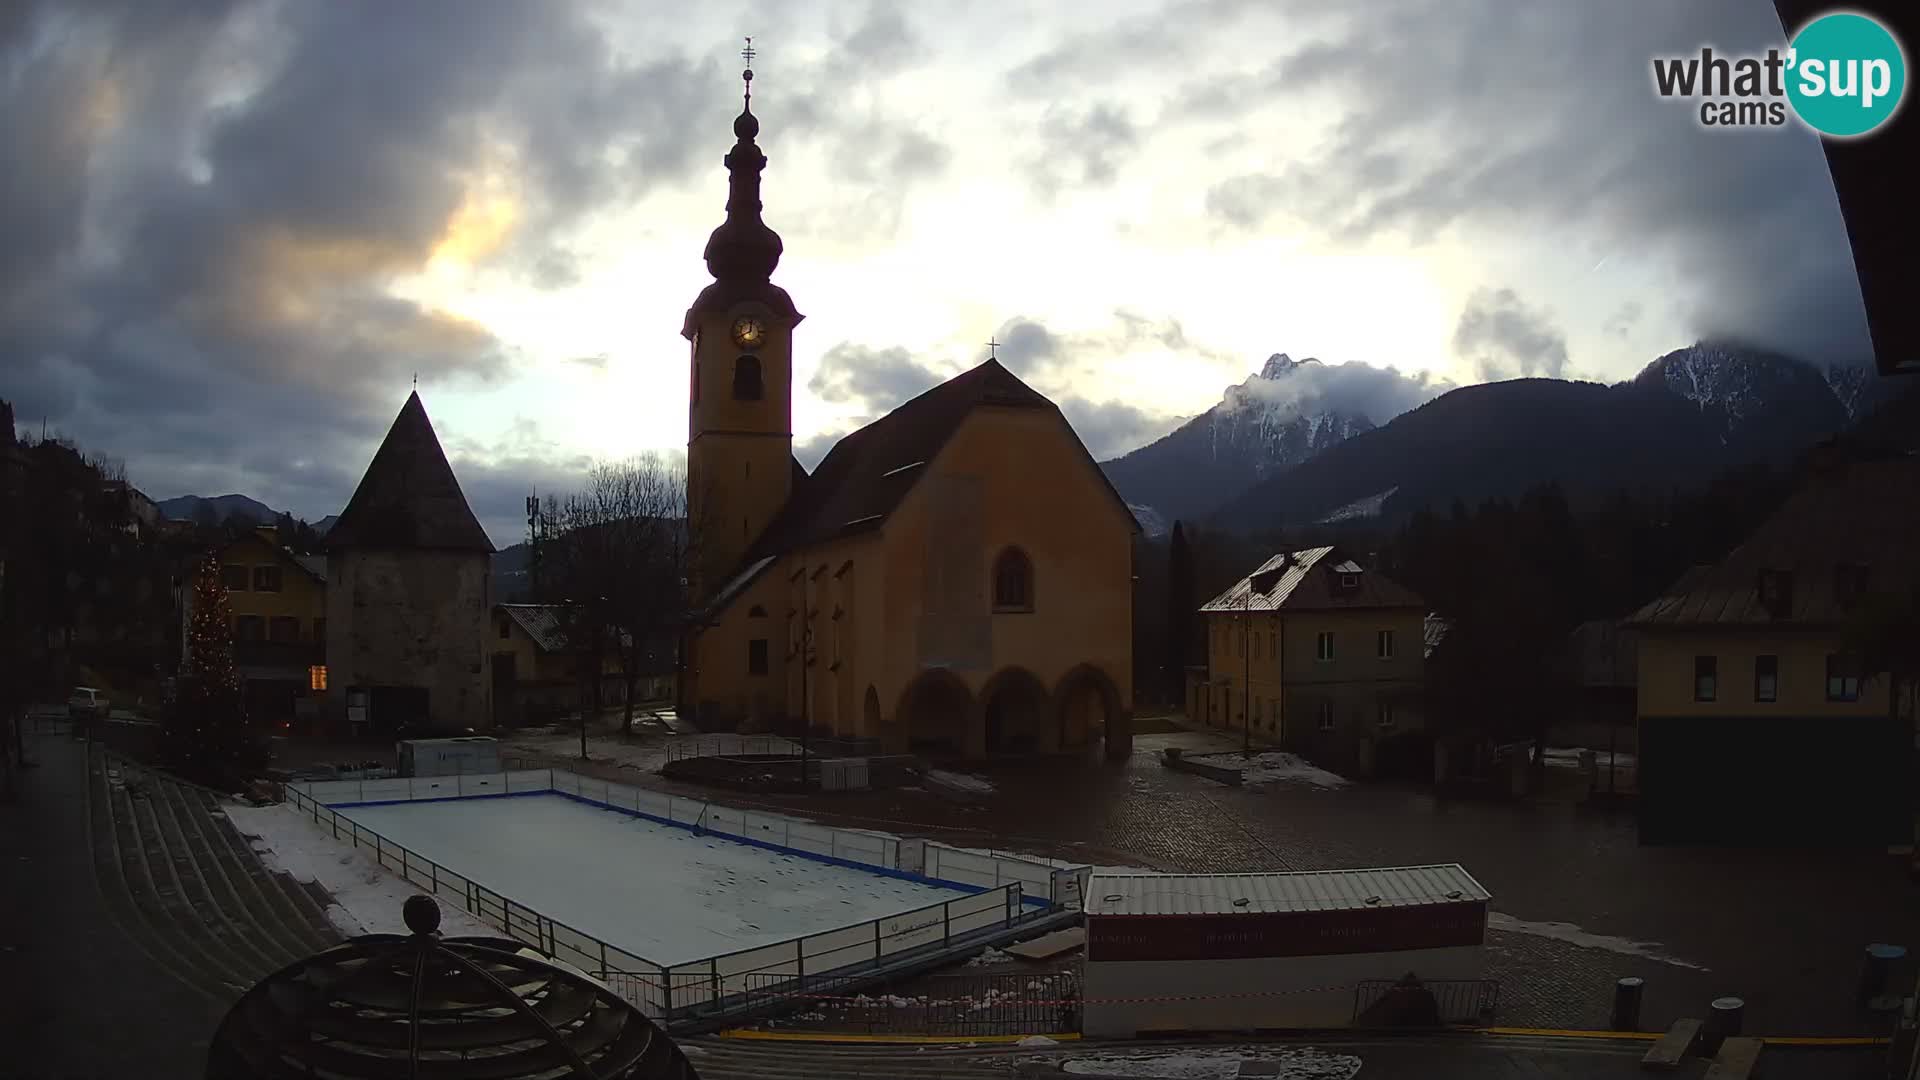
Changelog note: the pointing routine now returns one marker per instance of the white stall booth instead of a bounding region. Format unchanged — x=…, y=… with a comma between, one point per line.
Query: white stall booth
x=1236, y=952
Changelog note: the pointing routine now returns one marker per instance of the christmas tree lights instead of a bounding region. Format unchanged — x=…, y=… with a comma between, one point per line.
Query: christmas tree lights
x=208, y=737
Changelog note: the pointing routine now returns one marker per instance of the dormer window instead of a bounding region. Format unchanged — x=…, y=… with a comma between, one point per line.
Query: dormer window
x=1776, y=592
x=746, y=378
x=1349, y=582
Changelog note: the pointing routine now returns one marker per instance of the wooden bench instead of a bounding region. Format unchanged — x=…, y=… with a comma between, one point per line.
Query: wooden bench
x=1670, y=1048
x=1736, y=1058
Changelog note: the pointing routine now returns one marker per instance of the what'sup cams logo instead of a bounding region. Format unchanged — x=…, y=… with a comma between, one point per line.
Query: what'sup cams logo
x=1843, y=75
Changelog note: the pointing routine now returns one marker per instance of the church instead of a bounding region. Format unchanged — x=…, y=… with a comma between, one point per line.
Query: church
x=955, y=579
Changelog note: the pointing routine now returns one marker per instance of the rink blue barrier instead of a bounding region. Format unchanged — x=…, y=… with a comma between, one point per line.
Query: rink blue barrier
x=548, y=787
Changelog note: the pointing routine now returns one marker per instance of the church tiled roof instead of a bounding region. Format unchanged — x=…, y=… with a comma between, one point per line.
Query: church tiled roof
x=867, y=473
x=409, y=497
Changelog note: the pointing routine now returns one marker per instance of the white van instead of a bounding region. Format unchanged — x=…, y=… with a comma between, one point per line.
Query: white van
x=449, y=757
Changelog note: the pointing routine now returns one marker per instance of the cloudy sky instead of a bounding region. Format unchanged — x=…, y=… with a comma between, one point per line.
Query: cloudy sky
x=232, y=232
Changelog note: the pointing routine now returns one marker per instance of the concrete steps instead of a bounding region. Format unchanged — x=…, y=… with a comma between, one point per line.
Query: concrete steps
x=189, y=888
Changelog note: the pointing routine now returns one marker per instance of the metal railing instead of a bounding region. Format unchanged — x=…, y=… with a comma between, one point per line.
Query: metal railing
x=712, y=984
x=1455, y=1001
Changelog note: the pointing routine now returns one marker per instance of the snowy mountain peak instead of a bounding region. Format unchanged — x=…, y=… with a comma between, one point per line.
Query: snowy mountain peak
x=1279, y=365
x=1743, y=387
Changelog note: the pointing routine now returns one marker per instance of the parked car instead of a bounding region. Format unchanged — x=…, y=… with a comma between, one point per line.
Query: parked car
x=86, y=703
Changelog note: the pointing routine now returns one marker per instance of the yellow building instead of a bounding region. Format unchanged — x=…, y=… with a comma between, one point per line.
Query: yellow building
x=1754, y=725
x=954, y=578
x=279, y=604
x=537, y=674
x=1316, y=653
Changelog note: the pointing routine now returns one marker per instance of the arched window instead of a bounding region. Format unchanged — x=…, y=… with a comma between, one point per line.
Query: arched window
x=1013, y=581
x=746, y=378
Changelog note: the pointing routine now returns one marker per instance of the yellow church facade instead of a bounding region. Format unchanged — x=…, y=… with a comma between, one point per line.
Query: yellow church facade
x=954, y=579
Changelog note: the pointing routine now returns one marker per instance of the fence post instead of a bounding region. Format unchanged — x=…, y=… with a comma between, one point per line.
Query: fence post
x=714, y=964
x=876, y=943
x=403, y=864
x=666, y=990
x=946, y=924
x=435, y=872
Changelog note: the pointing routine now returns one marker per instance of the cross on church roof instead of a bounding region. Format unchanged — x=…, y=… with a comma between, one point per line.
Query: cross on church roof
x=748, y=54
x=993, y=349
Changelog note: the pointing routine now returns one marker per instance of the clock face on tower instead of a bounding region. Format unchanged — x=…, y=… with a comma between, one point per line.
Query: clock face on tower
x=748, y=332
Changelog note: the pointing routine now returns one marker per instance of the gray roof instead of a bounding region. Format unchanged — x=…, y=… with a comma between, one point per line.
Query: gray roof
x=1313, y=890
x=409, y=497
x=1865, y=514
x=315, y=565
x=1302, y=584
x=541, y=623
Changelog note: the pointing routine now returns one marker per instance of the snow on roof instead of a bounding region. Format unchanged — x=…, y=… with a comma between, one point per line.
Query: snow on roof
x=1287, y=581
x=1314, y=890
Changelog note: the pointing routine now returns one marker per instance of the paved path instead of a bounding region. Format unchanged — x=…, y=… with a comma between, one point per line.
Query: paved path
x=82, y=994
x=132, y=916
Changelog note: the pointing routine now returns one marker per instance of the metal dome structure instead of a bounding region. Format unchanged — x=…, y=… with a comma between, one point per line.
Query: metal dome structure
x=414, y=1006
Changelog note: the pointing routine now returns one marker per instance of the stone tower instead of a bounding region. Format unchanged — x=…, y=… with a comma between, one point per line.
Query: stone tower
x=740, y=399
x=408, y=583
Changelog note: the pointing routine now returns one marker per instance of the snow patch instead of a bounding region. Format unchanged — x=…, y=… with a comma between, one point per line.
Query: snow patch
x=1274, y=766
x=1035, y=1042
x=1152, y=522
x=961, y=781
x=1360, y=508
x=992, y=957
x=1305, y=1063
x=1568, y=757
x=367, y=899
x=1574, y=935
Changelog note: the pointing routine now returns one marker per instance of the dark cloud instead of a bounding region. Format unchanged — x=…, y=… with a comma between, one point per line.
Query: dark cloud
x=1061, y=364
x=1501, y=335
x=207, y=203
x=875, y=380
x=1111, y=428
x=1464, y=112
x=1081, y=148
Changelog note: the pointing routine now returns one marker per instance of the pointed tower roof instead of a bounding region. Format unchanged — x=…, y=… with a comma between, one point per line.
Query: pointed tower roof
x=743, y=251
x=409, y=497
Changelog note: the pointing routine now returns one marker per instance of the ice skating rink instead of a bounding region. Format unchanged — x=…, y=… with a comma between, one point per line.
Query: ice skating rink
x=657, y=891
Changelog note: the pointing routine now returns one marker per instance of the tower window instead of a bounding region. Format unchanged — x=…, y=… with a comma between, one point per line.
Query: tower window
x=1013, y=581
x=746, y=378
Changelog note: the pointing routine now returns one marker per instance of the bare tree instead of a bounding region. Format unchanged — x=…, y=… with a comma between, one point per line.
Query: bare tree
x=617, y=561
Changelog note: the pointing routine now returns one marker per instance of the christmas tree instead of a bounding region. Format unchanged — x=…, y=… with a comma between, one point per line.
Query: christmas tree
x=208, y=738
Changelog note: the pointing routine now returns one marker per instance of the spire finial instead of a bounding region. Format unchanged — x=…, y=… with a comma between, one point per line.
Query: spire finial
x=993, y=348
x=746, y=75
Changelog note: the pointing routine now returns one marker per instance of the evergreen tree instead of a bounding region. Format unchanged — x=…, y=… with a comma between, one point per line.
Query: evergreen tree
x=207, y=736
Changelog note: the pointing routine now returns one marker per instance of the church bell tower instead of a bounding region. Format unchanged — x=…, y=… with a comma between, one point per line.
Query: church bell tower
x=740, y=396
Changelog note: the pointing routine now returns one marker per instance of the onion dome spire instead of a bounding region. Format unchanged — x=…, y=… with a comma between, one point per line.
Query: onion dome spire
x=743, y=249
